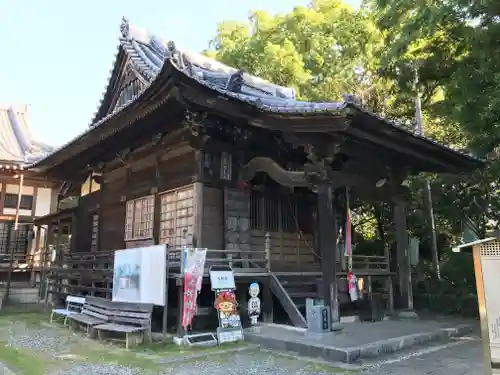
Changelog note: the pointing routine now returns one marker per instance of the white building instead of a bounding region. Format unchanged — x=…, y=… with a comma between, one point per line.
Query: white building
x=38, y=195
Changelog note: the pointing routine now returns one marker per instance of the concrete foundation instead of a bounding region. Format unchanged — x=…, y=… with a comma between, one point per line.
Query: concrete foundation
x=20, y=293
x=357, y=341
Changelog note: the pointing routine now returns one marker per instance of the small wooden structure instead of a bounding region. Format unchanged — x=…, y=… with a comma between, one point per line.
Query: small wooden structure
x=486, y=256
x=189, y=152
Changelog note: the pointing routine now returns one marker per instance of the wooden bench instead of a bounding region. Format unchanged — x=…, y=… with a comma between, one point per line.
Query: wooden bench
x=101, y=316
x=94, y=312
x=132, y=319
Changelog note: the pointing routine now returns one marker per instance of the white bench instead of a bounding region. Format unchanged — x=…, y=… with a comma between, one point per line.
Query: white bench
x=73, y=306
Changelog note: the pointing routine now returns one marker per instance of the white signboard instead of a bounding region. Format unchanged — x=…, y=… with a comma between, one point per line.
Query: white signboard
x=229, y=335
x=139, y=275
x=222, y=280
x=490, y=266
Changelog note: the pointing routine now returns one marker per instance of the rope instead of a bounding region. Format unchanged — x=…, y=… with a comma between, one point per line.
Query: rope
x=348, y=230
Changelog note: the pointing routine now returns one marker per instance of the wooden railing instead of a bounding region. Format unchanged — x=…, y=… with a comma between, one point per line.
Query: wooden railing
x=241, y=261
x=100, y=263
x=250, y=261
x=370, y=262
x=18, y=261
x=93, y=271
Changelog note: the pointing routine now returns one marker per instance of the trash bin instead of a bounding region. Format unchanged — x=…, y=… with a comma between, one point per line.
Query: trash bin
x=371, y=307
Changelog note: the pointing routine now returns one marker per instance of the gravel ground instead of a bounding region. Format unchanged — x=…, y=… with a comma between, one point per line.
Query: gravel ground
x=97, y=369
x=463, y=357
x=55, y=344
x=44, y=340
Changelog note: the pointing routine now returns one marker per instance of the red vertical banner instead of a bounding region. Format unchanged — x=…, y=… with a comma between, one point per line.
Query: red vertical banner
x=351, y=278
x=348, y=233
x=193, y=275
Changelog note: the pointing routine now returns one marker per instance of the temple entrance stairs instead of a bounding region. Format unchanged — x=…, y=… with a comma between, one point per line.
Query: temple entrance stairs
x=292, y=291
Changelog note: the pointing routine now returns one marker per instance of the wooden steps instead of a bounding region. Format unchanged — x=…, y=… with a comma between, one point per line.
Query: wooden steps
x=292, y=292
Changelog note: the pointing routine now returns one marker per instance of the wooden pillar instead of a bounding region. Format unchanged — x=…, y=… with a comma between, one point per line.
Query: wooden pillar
x=328, y=244
x=179, y=282
x=198, y=214
x=35, y=254
x=267, y=295
x=157, y=203
x=405, y=295
x=59, y=260
x=2, y=197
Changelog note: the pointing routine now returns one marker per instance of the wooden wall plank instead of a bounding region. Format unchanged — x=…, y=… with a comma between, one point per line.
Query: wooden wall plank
x=295, y=248
x=213, y=221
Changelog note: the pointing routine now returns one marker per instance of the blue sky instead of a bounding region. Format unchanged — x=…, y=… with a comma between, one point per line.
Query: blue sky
x=56, y=54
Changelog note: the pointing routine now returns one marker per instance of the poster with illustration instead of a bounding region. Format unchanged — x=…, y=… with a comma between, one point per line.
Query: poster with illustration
x=230, y=329
x=139, y=275
x=226, y=305
x=127, y=275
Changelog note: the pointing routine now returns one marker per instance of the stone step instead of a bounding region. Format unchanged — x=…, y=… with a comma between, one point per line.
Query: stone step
x=299, y=341
x=23, y=294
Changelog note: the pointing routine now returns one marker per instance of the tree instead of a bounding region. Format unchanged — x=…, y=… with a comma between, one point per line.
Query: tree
x=328, y=49
x=456, y=44
x=323, y=50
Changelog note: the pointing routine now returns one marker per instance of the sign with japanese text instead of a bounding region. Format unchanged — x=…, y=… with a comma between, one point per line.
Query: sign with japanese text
x=222, y=280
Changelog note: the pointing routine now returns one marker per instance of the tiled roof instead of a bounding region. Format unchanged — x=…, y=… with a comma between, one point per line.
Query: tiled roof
x=17, y=143
x=148, y=52
x=148, y=55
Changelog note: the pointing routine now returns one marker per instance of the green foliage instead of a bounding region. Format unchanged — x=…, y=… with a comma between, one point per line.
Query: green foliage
x=455, y=293
x=314, y=49
x=377, y=53
x=454, y=45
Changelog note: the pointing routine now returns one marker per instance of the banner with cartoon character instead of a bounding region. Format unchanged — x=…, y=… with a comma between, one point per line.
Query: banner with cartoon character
x=254, y=303
x=230, y=329
x=194, y=264
x=223, y=284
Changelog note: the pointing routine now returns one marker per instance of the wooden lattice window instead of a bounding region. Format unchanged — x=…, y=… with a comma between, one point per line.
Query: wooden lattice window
x=94, y=243
x=176, y=216
x=139, y=218
x=4, y=237
x=280, y=213
x=11, y=201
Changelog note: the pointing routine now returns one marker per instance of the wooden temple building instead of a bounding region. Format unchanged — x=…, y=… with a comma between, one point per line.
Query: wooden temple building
x=24, y=195
x=186, y=151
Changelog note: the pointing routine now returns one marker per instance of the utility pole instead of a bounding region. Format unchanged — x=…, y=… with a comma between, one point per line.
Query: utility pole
x=427, y=193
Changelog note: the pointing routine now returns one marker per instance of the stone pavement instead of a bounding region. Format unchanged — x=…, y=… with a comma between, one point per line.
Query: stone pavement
x=358, y=341
x=460, y=357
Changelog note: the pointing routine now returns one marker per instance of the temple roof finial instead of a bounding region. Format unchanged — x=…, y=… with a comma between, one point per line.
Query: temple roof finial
x=124, y=27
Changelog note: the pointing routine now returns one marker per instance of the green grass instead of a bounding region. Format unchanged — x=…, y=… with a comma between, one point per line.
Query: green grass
x=165, y=349
x=32, y=319
x=145, y=356
x=23, y=362
x=119, y=357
